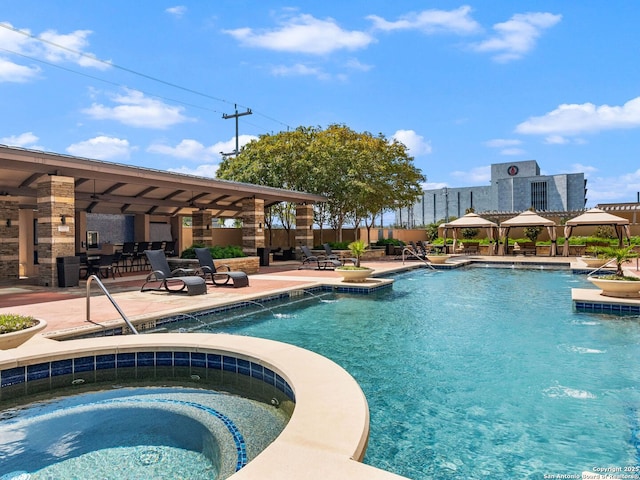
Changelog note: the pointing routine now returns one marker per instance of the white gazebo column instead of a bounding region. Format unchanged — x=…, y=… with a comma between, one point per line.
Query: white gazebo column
x=56, y=225
x=201, y=228
x=252, y=225
x=9, y=239
x=304, y=225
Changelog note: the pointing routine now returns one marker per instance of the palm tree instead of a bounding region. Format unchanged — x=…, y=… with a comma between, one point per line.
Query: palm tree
x=357, y=249
x=620, y=255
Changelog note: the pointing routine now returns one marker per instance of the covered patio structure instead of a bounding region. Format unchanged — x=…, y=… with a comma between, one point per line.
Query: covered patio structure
x=597, y=217
x=525, y=219
x=45, y=199
x=470, y=220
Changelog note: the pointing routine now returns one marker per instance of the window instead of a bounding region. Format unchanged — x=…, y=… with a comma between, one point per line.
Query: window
x=539, y=195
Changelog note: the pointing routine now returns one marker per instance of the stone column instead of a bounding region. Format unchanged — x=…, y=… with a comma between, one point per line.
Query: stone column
x=304, y=225
x=252, y=225
x=56, y=225
x=201, y=228
x=9, y=239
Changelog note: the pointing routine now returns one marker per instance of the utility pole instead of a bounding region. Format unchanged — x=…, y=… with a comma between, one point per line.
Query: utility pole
x=236, y=116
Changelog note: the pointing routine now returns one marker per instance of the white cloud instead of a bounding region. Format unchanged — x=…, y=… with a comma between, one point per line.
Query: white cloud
x=415, y=143
x=22, y=140
x=502, y=143
x=474, y=176
x=205, y=170
x=573, y=119
x=579, y=168
x=178, y=10
x=304, y=34
x=456, y=21
x=355, y=64
x=71, y=43
x=13, y=72
x=298, y=70
x=512, y=151
x=52, y=46
x=136, y=110
x=556, y=140
x=102, y=148
x=193, y=150
x=517, y=36
x=623, y=188
x=433, y=185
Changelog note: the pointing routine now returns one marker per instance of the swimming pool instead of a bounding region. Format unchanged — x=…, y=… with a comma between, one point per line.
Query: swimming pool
x=475, y=373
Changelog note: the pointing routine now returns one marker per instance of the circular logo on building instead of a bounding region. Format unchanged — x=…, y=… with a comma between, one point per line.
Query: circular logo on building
x=512, y=170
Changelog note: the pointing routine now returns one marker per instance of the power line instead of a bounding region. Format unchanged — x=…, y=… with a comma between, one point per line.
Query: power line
x=93, y=77
x=128, y=70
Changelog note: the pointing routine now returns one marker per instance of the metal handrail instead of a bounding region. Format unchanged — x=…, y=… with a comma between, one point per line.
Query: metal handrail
x=414, y=254
x=601, y=267
x=113, y=302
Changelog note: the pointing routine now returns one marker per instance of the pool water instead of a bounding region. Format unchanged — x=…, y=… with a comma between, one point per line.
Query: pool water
x=136, y=433
x=476, y=372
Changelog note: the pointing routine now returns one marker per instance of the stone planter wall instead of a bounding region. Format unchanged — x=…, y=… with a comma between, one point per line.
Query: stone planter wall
x=247, y=265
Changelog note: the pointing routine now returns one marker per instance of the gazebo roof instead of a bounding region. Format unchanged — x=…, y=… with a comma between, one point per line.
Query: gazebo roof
x=528, y=219
x=596, y=216
x=470, y=220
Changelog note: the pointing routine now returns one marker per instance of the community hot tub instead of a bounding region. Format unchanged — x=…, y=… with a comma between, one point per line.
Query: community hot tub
x=327, y=429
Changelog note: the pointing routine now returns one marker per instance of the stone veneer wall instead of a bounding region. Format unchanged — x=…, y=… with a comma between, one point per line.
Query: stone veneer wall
x=56, y=197
x=304, y=225
x=252, y=225
x=201, y=228
x=9, y=240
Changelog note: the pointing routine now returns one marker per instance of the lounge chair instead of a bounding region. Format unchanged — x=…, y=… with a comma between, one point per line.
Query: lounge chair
x=219, y=278
x=171, y=281
x=333, y=256
x=322, y=262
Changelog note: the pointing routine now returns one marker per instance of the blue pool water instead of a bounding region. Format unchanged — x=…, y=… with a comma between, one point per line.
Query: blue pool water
x=135, y=433
x=476, y=373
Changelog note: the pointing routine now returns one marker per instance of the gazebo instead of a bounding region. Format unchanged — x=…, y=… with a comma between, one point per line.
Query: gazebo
x=527, y=219
x=470, y=220
x=596, y=216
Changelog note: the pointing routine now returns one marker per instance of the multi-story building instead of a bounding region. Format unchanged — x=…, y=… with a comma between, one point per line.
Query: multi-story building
x=514, y=187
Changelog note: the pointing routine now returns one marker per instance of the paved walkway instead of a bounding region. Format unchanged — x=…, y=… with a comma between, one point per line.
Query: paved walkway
x=65, y=309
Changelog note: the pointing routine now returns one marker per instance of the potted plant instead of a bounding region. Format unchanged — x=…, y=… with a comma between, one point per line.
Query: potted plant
x=17, y=329
x=437, y=257
x=618, y=284
x=355, y=273
x=596, y=258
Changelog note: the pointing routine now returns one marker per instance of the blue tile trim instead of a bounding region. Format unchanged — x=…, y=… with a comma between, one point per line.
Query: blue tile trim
x=212, y=361
x=125, y=360
x=38, y=372
x=12, y=376
x=594, y=307
x=84, y=364
x=145, y=359
x=61, y=367
x=164, y=359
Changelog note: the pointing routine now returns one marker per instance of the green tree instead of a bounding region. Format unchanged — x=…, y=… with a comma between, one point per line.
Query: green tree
x=360, y=174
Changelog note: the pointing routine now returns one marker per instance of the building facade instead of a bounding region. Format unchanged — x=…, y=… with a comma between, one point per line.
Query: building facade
x=514, y=187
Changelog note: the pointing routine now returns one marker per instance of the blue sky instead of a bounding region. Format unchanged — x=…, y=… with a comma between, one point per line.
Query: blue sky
x=463, y=85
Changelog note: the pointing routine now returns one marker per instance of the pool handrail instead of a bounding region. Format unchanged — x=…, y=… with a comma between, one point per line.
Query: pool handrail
x=113, y=302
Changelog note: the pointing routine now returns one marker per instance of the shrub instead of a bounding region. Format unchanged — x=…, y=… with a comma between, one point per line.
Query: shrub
x=10, y=322
x=389, y=241
x=217, y=252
